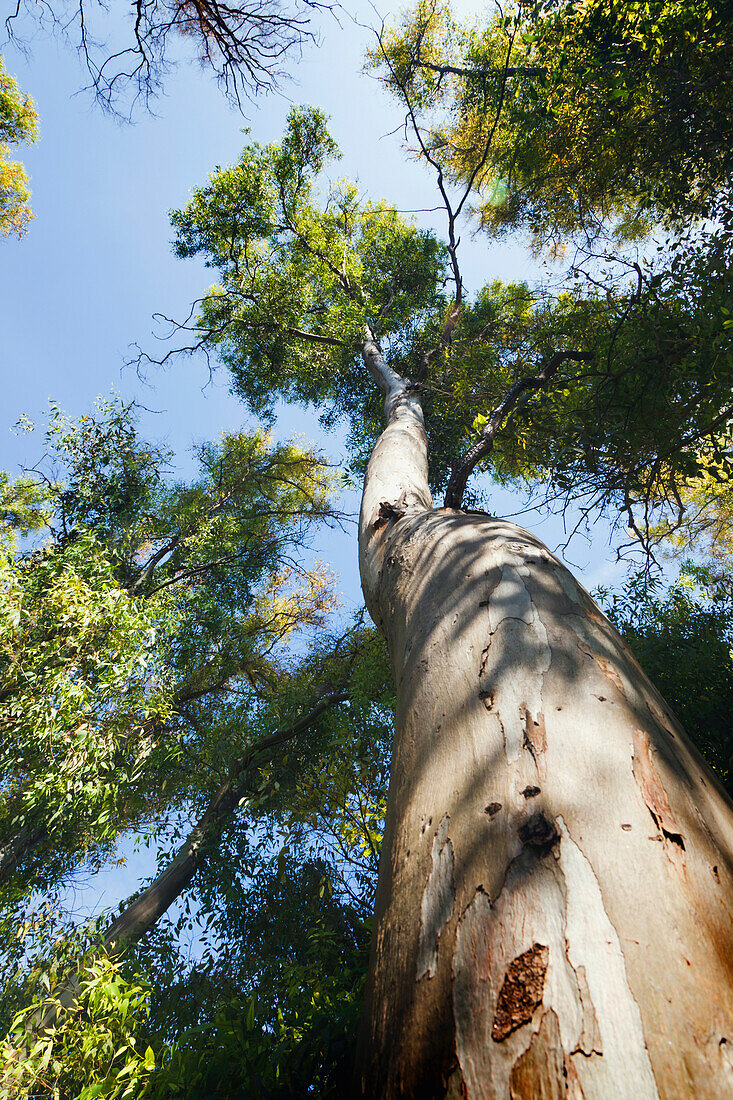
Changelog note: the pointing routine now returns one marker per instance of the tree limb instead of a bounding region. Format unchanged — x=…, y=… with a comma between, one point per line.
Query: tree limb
x=514, y=398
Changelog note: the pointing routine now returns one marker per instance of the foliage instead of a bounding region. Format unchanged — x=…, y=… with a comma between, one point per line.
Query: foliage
x=270, y=1004
x=125, y=630
x=683, y=638
x=271, y=1000
x=150, y=591
x=568, y=116
x=23, y=508
x=288, y=1026
x=18, y=123
x=597, y=122
x=301, y=274
x=634, y=413
x=80, y=687
x=646, y=416
x=84, y=1050
x=629, y=115
x=705, y=527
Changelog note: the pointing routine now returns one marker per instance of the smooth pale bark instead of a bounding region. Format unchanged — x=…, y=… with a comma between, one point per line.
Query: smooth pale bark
x=555, y=899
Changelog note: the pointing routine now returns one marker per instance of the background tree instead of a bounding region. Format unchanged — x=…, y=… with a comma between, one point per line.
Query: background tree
x=281, y=898
x=681, y=636
x=18, y=123
x=244, y=45
x=116, y=669
x=147, y=686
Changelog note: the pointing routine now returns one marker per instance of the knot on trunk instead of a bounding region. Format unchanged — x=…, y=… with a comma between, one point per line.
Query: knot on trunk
x=539, y=832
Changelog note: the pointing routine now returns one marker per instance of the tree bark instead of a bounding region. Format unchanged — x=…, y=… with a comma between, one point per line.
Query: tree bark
x=553, y=914
x=14, y=850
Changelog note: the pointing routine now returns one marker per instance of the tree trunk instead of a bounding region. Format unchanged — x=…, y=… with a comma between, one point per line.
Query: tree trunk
x=553, y=915
x=15, y=850
x=144, y=911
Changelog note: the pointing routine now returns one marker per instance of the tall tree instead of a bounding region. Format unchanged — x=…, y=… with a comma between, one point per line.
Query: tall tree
x=147, y=685
x=553, y=909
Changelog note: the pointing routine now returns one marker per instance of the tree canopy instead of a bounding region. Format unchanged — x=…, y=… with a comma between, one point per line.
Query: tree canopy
x=172, y=664
x=555, y=120
x=619, y=392
x=571, y=117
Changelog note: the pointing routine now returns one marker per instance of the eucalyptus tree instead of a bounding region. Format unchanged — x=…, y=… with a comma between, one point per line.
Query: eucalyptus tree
x=277, y=878
x=553, y=908
x=148, y=685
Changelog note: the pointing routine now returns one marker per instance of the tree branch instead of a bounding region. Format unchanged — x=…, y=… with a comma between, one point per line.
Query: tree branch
x=398, y=391
x=513, y=399
x=457, y=70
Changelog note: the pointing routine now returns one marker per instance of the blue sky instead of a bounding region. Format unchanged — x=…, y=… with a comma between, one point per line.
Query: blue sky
x=81, y=287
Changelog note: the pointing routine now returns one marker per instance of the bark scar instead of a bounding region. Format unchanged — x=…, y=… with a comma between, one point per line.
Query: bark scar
x=535, y=738
x=521, y=991
x=604, y=665
x=540, y=1072
x=590, y=1040
x=437, y=901
x=539, y=832
x=486, y=697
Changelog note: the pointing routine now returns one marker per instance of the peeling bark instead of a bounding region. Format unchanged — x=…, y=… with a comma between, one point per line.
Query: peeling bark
x=524, y=721
x=652, y=791
x=521, y=991
x=538, y=1073
x=591, y=1040
x=437, y=901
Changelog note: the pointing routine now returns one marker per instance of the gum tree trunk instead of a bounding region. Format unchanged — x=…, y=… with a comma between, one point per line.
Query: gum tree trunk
x=15, y=850
x=144, y=911
x=553, y=914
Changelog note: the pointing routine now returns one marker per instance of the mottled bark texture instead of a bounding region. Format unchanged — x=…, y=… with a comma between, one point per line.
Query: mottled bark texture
x=554, y=907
